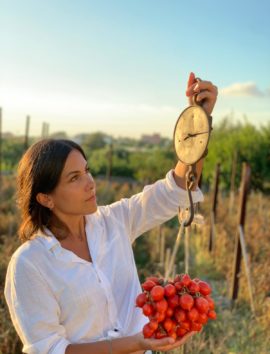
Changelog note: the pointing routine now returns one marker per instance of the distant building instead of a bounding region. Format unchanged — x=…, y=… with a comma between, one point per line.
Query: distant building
x=151, y=139
x=7, y=135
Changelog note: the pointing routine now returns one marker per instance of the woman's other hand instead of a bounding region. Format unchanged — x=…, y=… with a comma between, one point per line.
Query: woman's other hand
x=164, y=344
x=206, y=93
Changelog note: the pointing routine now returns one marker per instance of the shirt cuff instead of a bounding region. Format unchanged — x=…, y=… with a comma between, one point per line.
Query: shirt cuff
x=61, y=347
x=46, y=346
x=180, y=195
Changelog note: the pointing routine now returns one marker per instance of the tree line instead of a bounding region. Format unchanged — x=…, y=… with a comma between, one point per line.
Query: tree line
x=146, y=162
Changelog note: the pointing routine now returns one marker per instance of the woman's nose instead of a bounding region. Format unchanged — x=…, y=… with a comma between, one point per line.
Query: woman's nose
x=90, y=183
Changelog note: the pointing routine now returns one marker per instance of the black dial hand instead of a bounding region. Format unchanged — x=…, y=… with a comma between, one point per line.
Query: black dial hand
x=192, y=135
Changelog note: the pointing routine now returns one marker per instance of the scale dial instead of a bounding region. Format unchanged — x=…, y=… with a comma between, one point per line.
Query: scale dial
x=191, y=135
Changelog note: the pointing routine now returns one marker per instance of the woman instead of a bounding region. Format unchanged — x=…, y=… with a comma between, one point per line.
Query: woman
x=71, y=286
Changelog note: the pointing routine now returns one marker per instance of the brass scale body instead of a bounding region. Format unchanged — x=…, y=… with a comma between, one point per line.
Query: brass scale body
x=191, y=138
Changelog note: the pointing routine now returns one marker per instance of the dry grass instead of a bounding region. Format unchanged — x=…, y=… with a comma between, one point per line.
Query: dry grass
x=235, y=331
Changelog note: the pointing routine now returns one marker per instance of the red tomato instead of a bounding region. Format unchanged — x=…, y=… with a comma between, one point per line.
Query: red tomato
x=186, y=325
x=204, y=288
x=210, y=302
x=147, y=331
x=153, y=324
x=193, y=287
x=178, y=285
x=202, y=318
x=193, y=314
x=173, y=301
x=196, y=280
x=167, y=324
x=159, y=316
x=169, y=312
x=185, y=280
x=186, y=301
x=202, y=304
x=177, y=278
x=156, y=280
x=212, y=314
x=148, y=309
x=141, y=300
x=181, y=331
x=196, y=326
x=169, y=290
x=159, y=334
x=174, y=325
x=172, y=334
x=148, y=285
x=161, y=305
x=157, y=293
x=180, y=315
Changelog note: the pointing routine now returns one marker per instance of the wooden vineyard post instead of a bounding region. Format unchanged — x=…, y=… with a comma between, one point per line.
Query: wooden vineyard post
x=110, y=162
x=232, y=187
x=26, y=138
x=45, y=130
x=240, y=246
x=214, y=209
x=245, y=258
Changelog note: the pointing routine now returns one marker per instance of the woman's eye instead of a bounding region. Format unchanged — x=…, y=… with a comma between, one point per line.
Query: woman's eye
x=74, y=178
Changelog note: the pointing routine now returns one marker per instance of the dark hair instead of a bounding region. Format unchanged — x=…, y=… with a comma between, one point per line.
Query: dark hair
x=39, y=171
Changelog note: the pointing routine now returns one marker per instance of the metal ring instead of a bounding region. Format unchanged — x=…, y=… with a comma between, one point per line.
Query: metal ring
x=195, y=103
x=194, y=100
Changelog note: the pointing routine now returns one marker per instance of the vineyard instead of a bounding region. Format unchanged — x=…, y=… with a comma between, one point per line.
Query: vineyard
x=243, y=321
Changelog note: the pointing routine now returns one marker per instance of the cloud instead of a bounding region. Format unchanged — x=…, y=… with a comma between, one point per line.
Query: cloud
x=249, y=89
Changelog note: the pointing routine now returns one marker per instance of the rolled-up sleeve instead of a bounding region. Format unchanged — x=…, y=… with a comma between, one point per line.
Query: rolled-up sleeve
x=33, y=308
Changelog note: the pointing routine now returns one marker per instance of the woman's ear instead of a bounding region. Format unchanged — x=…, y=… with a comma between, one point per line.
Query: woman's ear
x=45, y=200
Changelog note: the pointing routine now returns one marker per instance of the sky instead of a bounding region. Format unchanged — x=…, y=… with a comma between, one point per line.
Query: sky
x=121, y=66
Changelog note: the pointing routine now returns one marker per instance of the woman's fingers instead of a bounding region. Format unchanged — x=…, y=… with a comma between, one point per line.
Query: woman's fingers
x=168, y=343
x=206, y=94
x=160, y=343
x=199, y=86
x=191, y=80
x=183, y=340
x=205, y=85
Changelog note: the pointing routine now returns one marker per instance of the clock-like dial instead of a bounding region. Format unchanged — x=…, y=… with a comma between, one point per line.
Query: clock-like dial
x=191, y=135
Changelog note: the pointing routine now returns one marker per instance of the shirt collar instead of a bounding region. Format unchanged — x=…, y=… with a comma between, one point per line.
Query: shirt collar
x=53, y=245
x=48, y=239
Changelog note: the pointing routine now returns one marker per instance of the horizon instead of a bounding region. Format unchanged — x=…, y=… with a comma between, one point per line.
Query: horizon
x=234, y=123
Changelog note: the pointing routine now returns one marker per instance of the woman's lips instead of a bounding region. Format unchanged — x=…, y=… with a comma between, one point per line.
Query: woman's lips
x=91, y=199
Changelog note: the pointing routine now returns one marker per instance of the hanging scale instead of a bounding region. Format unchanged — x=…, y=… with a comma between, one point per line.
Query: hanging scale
x=191, y=138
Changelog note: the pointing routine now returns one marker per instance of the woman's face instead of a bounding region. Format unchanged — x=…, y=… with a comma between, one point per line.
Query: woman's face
x=75, y=193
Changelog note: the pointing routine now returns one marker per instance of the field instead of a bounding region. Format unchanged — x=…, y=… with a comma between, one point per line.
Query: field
x=237, y=329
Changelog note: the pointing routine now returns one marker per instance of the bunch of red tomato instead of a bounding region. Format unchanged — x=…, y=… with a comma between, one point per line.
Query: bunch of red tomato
x=176, y=307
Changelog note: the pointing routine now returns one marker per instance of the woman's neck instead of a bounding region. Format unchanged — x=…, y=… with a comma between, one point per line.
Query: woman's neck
x=72, y=228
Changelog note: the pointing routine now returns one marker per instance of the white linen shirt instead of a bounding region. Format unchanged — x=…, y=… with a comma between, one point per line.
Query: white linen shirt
x=56, y=298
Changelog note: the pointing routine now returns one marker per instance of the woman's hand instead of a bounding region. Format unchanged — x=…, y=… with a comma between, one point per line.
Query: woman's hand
x=163, y=344
x=206, y=93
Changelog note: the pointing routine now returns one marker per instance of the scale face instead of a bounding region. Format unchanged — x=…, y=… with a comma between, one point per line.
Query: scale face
x=191, y=135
